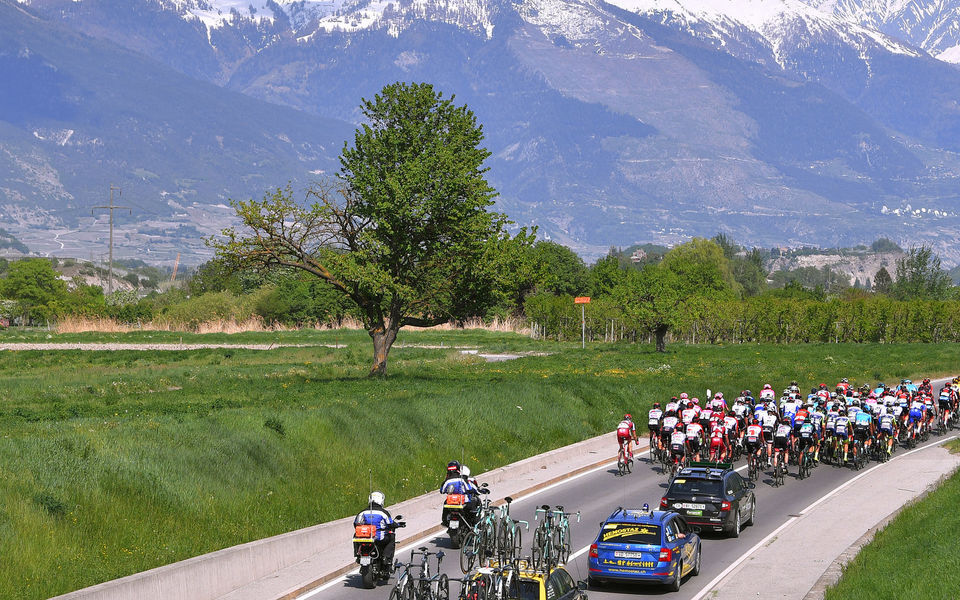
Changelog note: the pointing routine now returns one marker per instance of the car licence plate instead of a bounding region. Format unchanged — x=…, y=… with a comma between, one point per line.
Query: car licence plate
x=454, y=524
x=690, y=505
x=625, y=554
x=364, y=560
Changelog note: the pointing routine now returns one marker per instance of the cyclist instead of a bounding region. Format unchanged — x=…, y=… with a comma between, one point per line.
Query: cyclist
x=915, y=417
x=667, y=426
x=817, y=419
x=863, y=428
x=376, y=514
x=732, y=430
x=842, y=430
x=672, y=407
x=782, y=440
x=887, y=430
x=718, y=442
x=689, y=414
x=627, y=434
x=769, y=423
x=653, y=424
x=767, y=392
x=753, y=439
x=806, y=437
x=694, y=439
x=678, y=445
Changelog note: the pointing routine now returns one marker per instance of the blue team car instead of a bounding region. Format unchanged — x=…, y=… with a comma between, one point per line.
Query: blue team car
x=640, y=545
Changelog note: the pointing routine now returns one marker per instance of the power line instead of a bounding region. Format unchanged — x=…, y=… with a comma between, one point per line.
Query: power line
x=111, y=207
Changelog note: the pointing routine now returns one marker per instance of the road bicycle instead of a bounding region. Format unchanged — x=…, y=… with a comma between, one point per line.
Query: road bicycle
x=779, y=471
x=509, y=534
x=753, y=466
x=624, y=461
x=551, y=538
x=481, y=543
x=424, y=584
x=804, y=463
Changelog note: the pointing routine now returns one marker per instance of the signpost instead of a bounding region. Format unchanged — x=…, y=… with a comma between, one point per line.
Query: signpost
x=582, y=300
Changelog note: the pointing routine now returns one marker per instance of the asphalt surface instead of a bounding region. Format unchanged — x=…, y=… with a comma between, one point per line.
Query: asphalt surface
x=599, y=492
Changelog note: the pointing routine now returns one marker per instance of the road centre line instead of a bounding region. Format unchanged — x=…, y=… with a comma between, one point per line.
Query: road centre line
x=709, y=587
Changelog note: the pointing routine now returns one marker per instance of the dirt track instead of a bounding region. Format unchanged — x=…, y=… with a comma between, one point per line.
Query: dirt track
x=118, y=346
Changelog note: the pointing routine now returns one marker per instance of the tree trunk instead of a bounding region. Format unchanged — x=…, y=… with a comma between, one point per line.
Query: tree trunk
x=383, y=338
x=661, y=333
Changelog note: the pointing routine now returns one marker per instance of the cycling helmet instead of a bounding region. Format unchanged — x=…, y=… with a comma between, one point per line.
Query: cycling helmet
x=656, y=405
x=376, y=498
x=767, y=386
x=684, y=396
x=823, y=386
x=926, y=380
x=844, y=380
x=696, y=400
x=465, y=471
x=627, y=417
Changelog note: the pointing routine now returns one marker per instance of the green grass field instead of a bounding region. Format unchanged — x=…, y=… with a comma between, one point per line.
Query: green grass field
x=915, y=556
x=116, y=462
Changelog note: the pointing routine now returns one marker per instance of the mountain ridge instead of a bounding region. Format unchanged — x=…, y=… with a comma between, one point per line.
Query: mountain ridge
x=609, y=126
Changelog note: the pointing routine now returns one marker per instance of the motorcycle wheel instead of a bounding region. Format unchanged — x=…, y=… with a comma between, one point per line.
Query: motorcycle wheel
x=367, y=575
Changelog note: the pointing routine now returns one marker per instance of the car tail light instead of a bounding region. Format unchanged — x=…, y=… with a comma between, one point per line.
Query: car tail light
x=664, y=503
x=724, y=505
x=666, y=555
x=593, y=551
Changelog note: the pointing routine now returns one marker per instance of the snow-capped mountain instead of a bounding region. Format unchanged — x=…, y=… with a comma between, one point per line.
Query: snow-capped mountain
x=933, y=26
x=780, y=122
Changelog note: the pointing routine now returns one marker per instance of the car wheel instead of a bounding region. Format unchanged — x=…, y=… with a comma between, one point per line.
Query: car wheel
x=675, y=584
x=696, y=566
x=735, y=532
x=753, y=511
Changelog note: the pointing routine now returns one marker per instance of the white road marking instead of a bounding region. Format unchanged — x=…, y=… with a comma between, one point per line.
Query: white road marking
x=709, y=587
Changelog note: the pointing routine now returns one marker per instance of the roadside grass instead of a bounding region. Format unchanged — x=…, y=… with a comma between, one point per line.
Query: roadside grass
x=115, y=462
x=915, y=556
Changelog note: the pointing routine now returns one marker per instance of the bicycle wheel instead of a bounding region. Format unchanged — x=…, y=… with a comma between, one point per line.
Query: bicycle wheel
x=443, y=588
x=408, y=592
x=505, y=538
x=394, y=594
x=468, y=552
x=621, y=465
x=536, y=550
x=517, y=544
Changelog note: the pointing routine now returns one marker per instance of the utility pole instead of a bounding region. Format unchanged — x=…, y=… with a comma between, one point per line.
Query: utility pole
x=111, y=208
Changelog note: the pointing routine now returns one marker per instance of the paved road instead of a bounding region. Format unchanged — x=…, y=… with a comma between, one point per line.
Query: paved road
x=597, y=493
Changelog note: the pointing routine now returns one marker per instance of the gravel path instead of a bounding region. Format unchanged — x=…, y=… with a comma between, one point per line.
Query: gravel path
x=120, y=346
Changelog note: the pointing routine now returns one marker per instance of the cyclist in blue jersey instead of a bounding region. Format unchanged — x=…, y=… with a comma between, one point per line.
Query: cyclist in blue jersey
x=863, y=428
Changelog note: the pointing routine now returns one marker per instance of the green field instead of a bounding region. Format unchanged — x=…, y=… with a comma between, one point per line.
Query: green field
x=116, y=462
x=915, y=556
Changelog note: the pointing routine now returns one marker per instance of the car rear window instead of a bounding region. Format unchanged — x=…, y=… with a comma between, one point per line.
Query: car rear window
x=704, y=487
x=529, y=590
x=630, y=533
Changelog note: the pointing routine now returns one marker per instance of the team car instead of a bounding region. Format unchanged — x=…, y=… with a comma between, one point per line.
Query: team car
x=712, y=496
x=640, y=545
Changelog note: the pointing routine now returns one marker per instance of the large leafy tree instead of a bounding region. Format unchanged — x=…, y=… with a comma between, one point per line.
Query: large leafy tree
x=920, y=276
x=405, y=232
x=36, y=287
x=665, y=296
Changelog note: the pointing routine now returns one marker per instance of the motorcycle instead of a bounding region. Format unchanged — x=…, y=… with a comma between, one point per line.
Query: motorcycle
x=458, y=520
x=369, y=553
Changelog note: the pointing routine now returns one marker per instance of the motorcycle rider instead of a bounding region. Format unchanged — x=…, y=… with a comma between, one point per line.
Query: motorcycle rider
x=462, y=483
x=376, y=514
